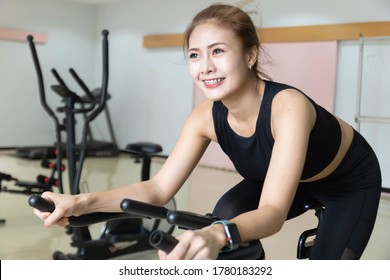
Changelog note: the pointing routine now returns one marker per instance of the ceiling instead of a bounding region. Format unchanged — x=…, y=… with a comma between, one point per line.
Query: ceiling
x=96, y=2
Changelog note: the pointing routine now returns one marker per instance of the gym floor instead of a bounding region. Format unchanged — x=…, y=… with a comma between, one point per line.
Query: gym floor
x=23, y=237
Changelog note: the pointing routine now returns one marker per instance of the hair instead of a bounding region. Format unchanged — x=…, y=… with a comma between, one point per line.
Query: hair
x=230, y=18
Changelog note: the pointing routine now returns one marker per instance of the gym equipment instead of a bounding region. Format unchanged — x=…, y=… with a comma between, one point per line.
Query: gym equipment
x=122, y=233
x=143, y=152
x=71, y=99
x=27, y=188
x=75, y=153
x=307, y=238
x=119, y=236
x=185, y=220
x=87, y=104
x=189, y=221
x=157, y=239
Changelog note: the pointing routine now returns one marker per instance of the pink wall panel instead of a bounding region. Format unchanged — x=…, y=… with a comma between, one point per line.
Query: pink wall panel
x=21, y=35
x=308, y=66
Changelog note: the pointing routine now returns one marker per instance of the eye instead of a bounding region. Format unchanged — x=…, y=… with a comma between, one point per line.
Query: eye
x=193, y=55
x=217, y=51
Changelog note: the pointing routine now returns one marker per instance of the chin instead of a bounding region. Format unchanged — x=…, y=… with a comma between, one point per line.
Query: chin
x=212, y=97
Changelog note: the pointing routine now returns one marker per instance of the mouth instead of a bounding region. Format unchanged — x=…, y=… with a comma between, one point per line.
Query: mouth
x=212, y=83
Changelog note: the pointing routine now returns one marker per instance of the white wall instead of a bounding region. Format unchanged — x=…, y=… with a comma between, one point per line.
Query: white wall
x=71, y=30
x=151, y=89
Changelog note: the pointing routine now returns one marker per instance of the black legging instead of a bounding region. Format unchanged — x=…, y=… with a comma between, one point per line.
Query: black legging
x=350, y=195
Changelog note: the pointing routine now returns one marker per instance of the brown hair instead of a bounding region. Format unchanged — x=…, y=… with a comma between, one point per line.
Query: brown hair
x=231, y=18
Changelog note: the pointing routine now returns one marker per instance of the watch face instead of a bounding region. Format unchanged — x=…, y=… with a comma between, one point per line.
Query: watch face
x=233, y=234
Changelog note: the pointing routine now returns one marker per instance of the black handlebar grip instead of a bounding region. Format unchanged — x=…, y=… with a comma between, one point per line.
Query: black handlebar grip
x=44, y=205
x=97, y=217
x=144, y=209
x=162, y=241
x=188, y=220
x=40, y=203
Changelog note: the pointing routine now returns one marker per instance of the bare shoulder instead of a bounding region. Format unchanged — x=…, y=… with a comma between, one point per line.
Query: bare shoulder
x=292, y=100
x=292, y=108
x=290, y=96
x=201, y=119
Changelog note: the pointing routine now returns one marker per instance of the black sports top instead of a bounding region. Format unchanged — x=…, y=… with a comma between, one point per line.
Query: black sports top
x=251, y=155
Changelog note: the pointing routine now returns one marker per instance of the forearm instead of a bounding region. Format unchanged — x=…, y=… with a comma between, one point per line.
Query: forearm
x=259, y=223
x=109, y=201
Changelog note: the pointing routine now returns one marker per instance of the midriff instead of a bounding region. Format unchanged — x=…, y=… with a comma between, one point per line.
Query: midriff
x=346, y=140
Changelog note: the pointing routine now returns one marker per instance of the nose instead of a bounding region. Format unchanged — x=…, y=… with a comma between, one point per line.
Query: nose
x=207, y=66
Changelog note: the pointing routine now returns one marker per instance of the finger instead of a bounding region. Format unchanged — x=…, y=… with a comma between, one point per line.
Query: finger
x=41, y=215
x=56, y=218
x=162, y=255
x=180, y=251
x=62, y=222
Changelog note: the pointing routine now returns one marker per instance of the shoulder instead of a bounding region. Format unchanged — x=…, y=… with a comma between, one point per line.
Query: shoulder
x=201, y=119
x=202, y=112
x=291, y=107
x=288, y=99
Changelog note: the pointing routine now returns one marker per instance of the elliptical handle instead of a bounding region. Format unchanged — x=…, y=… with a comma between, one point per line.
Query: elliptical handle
x=58, y=78
x=105, y=71
x=84, y=87
x=38, y=70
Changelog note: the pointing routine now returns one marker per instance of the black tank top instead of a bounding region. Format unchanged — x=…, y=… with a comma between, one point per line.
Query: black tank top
x=251, y=155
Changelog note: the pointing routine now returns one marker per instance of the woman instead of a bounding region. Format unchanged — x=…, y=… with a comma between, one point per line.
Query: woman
x=289, y=150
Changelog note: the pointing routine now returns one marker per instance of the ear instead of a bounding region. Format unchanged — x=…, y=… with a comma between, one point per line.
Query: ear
x=252, y=55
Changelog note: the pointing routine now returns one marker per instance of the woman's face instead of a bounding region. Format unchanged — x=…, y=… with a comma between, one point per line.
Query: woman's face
x=217, y=62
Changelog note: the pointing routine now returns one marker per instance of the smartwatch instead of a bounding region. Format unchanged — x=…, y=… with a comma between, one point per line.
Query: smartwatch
x=232, y=235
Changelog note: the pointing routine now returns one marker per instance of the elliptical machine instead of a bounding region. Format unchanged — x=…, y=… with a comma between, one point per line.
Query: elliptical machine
x=43, y=183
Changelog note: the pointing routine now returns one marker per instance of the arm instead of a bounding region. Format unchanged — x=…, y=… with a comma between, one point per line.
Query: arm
x=191, y=145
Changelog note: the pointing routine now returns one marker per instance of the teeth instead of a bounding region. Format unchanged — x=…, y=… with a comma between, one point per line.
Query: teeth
x=213, y=81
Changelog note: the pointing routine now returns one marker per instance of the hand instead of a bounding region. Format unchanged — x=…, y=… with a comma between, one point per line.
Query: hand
x=203, y=244
x=65, y=206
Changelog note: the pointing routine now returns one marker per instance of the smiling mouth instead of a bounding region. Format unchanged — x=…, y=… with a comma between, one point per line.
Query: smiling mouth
x=213, y=82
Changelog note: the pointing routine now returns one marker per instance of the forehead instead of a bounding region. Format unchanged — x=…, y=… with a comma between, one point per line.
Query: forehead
x=206, y=34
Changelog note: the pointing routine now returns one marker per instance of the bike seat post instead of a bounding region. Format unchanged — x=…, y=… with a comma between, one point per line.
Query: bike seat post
x=144, y=151
x=307, y=238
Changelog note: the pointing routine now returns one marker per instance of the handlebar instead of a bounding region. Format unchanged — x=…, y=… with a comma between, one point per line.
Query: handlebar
x=162, y=241
x=45, y=105
x=158, y=239
x=90, y=97
x=62, y=90
x=43, y=205
x=143, y=209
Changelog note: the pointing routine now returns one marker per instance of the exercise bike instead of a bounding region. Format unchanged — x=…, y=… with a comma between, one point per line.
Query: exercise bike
x=157, y=239
x=185, y=220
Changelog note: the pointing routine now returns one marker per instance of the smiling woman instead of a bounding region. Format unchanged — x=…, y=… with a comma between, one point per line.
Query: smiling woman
x=289, y=150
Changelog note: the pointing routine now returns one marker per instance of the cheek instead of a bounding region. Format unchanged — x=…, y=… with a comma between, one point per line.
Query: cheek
x=192, y=69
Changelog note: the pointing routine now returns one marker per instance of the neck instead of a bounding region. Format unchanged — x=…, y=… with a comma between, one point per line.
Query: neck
x=246, y=104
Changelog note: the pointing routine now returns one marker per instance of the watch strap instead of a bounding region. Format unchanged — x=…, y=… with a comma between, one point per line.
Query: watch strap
x=233, y=239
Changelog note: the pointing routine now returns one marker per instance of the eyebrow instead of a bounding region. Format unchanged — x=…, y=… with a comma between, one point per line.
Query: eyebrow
x=209, y=47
